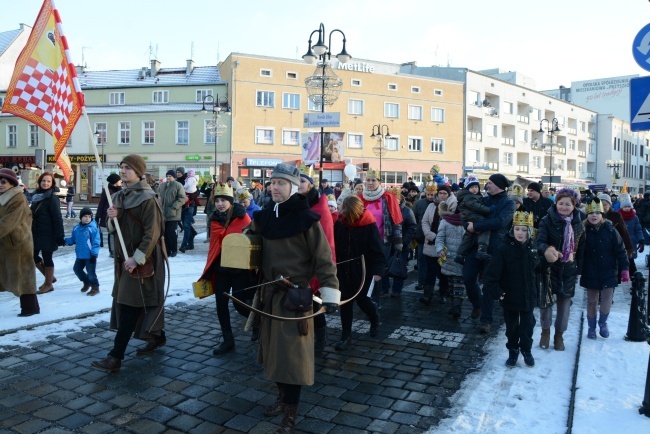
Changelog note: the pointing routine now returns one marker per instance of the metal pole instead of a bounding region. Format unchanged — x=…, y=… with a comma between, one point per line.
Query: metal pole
x=216, y=143
x=322, y=131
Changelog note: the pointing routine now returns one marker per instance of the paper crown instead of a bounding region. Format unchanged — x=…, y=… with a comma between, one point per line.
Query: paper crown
x=545, y=187
x=374, y=174
x=397, y=192
x=435, y=169
x=431, y=187
x=306, y=170
x=594, y=205
x=517, y=190
x=243, y=195
x=223, y=190
x=523, y=218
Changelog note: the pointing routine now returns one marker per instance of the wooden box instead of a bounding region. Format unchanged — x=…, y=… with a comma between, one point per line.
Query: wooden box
x=241, y=251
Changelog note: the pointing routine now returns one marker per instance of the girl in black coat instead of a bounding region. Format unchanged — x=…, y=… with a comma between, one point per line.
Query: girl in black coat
x=604, y=249
x=511, y=278
x=356, y=234
x=47, y=228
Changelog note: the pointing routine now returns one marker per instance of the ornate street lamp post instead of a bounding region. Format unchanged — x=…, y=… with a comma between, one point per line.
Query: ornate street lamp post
x=380, y=149
x=323, y=86
x=214, y=127
x=616, y=165
x=552, y=129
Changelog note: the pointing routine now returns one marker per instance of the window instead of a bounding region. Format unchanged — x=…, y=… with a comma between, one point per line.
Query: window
x=415, y=112
x=291, y=137
x=12, y=136
x=124, y=133
x=437, y=114
x=209, y=132
x=2, y=101
x=391, y=110
x=507, y=158
x=148, y=132
x=33, y=136
x=160, y=97
x=415, y=89
x=523, y=135
x=572, y=145
x=583, y=126
x=491, y=130
x=264, y=136
x=182, y=132
x=292, y=75
x=537, y=162
x=476, y=153
x=116, y=98
x=591, y=148
x=265, y=72
x=507, y=107
x=438, y=145
x=291, y=101
x=474, y=98
x=69, y=142
x=355, y=141
x=437, y=92
x=537, y=114
x=355, y=106
x=202, y=93
x=415, y=144
x=581, y=167
x=392, y=86
x=101, y=128
x=560, y=164
x=355, y=82
x=392, y=143
x=313, y=106
x=265, y=98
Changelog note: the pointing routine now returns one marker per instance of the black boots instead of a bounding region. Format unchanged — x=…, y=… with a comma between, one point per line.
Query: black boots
x=227, y=345
x=109, y=364
x=29, y=305
x=320, y=338
x=529, y=360
x=512, y=358
x=151, y=345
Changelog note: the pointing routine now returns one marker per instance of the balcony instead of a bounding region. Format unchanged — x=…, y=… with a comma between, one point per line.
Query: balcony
x=591, y=175
x=592, y=136
x=474, y=136
x=492, y=165
x=571, y=173
x=523, y=119
x=582, y=154
x=573, y=131
x=522, y=169
x=508, y=141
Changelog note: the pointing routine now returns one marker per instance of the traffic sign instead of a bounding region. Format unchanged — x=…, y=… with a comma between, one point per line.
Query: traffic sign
x=322, y=120
x=640, y=103
x=641, y=48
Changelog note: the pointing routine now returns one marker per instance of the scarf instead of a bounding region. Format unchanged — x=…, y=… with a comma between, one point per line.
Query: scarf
x=133, y=195
x=627, y=215
x=42, y=194
x=569, y=242
x=276, y=207
x=374, y=195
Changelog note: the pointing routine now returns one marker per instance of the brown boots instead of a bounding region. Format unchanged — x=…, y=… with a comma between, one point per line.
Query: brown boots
x=29, y=305
x=558, y=341
x=48, y=272
x=544, y=341
x=288, y=425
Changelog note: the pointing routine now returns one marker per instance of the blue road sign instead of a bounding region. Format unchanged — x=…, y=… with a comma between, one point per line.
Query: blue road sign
x=640, y=103
x=641, y=48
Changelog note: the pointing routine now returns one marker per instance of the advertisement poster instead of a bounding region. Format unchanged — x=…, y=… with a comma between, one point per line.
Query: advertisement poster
x=333, y=152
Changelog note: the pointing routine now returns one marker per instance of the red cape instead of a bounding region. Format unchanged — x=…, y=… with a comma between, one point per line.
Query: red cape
x=323, y=210
x=217, y=234
x=393, y=206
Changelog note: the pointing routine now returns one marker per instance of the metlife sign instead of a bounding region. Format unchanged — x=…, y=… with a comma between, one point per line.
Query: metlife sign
x=322, y=120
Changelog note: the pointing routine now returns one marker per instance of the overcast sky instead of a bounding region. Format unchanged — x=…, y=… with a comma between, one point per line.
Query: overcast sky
x=554, y=41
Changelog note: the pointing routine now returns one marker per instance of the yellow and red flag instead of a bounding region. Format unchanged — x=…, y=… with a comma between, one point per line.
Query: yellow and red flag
x=44, y=88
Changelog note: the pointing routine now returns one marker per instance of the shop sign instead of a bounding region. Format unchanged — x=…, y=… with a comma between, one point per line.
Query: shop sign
x=17, y=159
x=192, y=157
x=263, y=162
x=77, y=159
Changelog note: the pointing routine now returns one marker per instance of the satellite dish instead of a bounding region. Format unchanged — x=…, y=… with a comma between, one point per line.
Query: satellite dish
x=486, y=103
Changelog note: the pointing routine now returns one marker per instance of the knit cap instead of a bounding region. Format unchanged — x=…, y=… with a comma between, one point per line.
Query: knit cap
x=137, y=163
x=85, y=211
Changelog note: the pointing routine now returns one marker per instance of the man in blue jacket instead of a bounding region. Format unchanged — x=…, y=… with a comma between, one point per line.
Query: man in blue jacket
x=498, y=222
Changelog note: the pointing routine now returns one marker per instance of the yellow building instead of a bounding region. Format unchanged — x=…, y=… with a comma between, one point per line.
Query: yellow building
x=269, y=101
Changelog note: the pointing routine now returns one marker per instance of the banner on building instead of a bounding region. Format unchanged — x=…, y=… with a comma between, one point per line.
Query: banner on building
x=333, y=150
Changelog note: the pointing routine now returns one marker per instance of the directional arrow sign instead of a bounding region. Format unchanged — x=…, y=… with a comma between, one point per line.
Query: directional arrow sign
x=641, y=48
x=640, y=103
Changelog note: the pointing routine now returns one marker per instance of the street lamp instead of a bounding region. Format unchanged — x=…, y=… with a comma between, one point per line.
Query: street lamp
x=380, y=149
x=552, y=128
x=323, y=86
x=616, y=165
x=97, y=142
x=214, y=128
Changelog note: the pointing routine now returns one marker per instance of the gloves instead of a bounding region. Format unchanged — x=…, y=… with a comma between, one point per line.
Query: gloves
x=60, y=242
x=641, y=246
x=93, y=259
x=625, y=276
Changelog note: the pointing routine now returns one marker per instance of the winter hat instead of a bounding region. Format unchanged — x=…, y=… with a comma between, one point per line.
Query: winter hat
x=535, y=186
x=191, y=173
x=567, y=192
x=471, y=180
x=180, y=169
x=9, y=175
x=114, y=177
x=171, y=173
x=331, y=200
x=625, y=199
x=288, y=172
x=605, y=198
x=85, y=211
x=230, y=178
x=500, y=181
x=444, y=188
x=454, y=187
x=137, y=163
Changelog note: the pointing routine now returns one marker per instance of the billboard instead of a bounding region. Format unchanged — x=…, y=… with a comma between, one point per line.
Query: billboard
x=333, y=150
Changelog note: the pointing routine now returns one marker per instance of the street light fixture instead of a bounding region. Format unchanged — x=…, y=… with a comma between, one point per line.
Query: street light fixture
x=103, y=145
x=552, y=128
x=616, y=165
x=323, y=86
x=380, y=149
x=214, y=128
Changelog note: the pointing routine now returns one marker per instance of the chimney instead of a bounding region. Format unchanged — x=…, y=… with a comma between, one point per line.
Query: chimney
x=155, y=67
x=190, y=67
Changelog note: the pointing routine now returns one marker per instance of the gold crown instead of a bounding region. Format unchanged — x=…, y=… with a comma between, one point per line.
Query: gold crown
x=243, y=195
x=517, y=190
x=223, y=190
x=545, y=187
x=435, y=169
x=372, y=173
x=523, y=218
x=397, y=192
x=431, y=187
x=306, y=170
x=595, y=205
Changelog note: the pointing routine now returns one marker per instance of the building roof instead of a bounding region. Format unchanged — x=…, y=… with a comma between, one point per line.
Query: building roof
x=201, y=75
x=6, y=38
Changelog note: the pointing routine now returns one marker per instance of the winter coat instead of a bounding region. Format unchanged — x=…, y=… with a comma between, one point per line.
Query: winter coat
x=408, y=226
x=86, y=240
x=47, y=223
x=539, y=209
x=498, y=222
x=17, y=271
x=252, y=208
x=264, y=199
x=513, y=274
x=419, y=209
x=450, y=235
x=617, y=221
x=562, y=276
x=352, y=241
x=430, y=224
x=141, y=227
x=102, y=206
x=634, y=230
x=471, y=206
x=172, y=198
x=642, y=208
x=603, y=250
x=69, y=197
x=293, y=245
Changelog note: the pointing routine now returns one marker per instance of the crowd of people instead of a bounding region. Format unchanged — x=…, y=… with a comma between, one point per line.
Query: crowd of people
x=527, y=251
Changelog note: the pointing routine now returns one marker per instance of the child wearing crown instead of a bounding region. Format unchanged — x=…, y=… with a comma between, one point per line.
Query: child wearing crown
x=511, y=279
x=603, y=248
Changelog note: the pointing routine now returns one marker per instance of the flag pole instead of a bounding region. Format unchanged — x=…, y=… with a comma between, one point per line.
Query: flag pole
x=100, y=163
